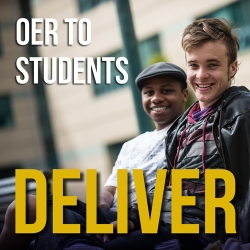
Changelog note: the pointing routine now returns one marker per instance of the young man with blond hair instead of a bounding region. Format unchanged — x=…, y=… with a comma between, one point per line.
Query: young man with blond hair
x=212, y=134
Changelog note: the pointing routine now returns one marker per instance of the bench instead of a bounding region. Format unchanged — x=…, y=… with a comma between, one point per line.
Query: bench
x=7, y=192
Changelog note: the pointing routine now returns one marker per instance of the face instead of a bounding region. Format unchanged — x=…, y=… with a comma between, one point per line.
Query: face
x=209, y=72
x=163, y=99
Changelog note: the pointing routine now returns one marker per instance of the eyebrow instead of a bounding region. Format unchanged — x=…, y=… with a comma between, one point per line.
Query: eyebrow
x=209, y=60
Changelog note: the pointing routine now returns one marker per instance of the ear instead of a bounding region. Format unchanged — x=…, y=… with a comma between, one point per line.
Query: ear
x=185, y=95
x=233, y=67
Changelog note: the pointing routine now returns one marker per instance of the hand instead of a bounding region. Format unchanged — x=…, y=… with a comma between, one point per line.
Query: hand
x=130, y=225
x=107, y=237
x=104, y=206
x=214, y=246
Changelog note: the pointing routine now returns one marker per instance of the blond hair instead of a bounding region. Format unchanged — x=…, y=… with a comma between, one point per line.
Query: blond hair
x=211, y=29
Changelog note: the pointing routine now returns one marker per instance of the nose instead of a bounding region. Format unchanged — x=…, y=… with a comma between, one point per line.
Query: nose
x=158, y=97
x=202, y=74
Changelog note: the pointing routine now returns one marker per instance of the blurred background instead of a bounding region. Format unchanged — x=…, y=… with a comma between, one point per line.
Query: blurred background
x=84, y=126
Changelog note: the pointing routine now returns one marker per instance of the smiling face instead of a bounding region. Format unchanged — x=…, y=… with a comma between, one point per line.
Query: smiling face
x=163, y=99
x=209, y=72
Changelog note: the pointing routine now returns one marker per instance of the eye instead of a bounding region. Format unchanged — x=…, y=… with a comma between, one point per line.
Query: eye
x=166, y=91
x=212, y=65
x=193, y=66
x=148, y=93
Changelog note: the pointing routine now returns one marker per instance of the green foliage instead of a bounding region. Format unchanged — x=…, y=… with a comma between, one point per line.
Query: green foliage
x=155, y=58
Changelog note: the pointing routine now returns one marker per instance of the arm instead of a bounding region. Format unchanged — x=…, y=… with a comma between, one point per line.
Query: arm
x=235, y=135
x=133, y=224
x=106, y=197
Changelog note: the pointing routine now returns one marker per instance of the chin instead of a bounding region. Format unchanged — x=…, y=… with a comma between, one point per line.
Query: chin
x=162, y=123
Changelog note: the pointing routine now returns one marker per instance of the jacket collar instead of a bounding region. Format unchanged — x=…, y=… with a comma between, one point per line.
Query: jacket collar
x=231, y=93
x=225, y=98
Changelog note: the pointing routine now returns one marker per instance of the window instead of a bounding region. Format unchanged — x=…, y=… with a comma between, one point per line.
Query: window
x=114, y=151
x=85, y=5
x=35, y=2
x=238, y=13
x=147, y=49
x=103, y=87
x=6, y=117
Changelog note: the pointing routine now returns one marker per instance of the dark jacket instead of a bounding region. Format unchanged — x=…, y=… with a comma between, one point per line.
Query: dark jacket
x=231, y=130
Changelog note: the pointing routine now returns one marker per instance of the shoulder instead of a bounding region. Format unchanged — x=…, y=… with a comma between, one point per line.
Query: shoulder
x=138, y=139
x=236, y=104
x=237, y=98
x=179, y=123
x=235, y=94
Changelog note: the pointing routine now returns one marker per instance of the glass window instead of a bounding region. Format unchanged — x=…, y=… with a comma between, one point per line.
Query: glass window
x=104, y=87
x=85, y=5
x=6, y=117
x=114, y=151
x=148, y=49
x=238, y=14
x=35, y=2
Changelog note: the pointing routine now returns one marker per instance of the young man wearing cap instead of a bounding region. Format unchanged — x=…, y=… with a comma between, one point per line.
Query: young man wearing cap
x=163, y=87
x=212, y=134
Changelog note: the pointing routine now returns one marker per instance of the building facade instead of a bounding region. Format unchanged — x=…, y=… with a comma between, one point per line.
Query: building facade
x=89, y=122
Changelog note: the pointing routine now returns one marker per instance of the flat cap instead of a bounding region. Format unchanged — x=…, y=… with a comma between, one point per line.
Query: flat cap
x=158, y=69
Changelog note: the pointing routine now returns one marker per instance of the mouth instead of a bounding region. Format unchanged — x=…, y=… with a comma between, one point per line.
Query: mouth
x=159, y=109
x=204, y=86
